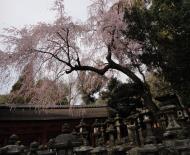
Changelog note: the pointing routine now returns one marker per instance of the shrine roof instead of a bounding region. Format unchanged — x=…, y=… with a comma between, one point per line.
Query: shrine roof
x=33, y=112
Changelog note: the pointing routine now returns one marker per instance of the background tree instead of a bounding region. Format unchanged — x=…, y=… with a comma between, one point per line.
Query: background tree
x=123, y=97
x=47, y=91
x=88, y=84
x=113, y=43
x=176, y=48
x=4, y=99
x=164, y=31
x=54, y=47
x=159, y=86
x=21, y=90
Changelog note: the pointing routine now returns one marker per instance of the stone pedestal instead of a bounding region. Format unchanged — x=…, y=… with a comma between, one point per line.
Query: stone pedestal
x=99, y=151
x=11, y=150
x=119, y=150
x=148, y=149
x=46, y=152
x=83, y=150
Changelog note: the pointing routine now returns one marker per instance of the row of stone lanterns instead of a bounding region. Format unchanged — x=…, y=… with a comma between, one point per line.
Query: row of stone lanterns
x=108, y=136
x=116, y=143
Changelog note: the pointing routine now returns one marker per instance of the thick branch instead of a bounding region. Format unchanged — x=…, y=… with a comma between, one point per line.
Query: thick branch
x=111, y=65
x=127, y=72
x=89, y=68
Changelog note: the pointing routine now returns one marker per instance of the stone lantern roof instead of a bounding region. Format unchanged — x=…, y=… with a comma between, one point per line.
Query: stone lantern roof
x=169, y=99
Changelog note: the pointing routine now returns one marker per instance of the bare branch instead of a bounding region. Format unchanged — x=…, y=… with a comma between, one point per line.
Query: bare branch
x=54, y=56
x=55, y=42
x=110, y=46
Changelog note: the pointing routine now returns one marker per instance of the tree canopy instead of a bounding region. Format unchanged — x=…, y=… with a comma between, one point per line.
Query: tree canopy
x=123, y=97
x=119, y=36
x=164, y=31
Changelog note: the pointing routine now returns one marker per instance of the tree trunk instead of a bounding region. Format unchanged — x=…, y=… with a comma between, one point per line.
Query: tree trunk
x=147, y=97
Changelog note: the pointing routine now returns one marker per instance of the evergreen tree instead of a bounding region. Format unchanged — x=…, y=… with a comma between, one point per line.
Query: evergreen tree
x=123, y=97
x=164, y=30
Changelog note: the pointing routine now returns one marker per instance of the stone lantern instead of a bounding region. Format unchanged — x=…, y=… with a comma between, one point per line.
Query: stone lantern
x=96, y=130
x=150, y=138
x=96, y=126
x=65, y=142
x=131, y=129
x=173, y=127
x=162, y=121
x=182, y=117
x=118, y=127
x=13, y=139
x=51, y=144
x=110, y=130
x=150, y=147
x=83, y=131
x=77, y=141
x=33, y=148
x=13, y=148
x=101, y=139
x=99, y=149
x=50, y=150
x=82, y=126
x=83, y=150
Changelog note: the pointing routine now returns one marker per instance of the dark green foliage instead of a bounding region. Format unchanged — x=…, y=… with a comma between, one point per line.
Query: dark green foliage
x=63, y=102
x=158, y=85
x=4, y=99
x=113, y=84
x=123, y=97
x=18, y=100
x=88, y=99
x=174, y=46
x=17, y=85
x=164, y=32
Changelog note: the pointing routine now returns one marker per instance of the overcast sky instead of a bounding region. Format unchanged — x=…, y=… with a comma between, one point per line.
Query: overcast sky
x=18, y=13
x=24, y=12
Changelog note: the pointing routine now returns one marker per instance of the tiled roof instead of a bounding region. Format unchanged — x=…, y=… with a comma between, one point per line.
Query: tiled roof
x=26, y=112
